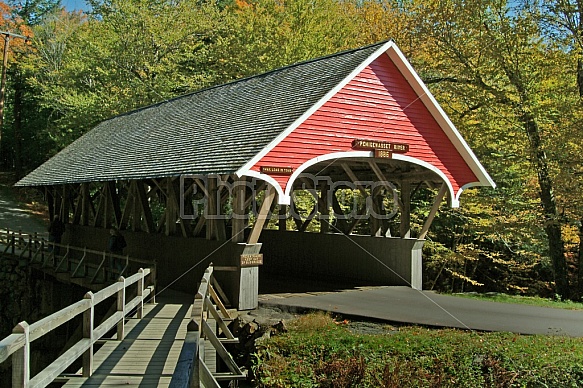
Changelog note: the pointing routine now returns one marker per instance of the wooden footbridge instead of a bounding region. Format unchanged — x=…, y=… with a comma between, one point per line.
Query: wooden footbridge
x=171, y=341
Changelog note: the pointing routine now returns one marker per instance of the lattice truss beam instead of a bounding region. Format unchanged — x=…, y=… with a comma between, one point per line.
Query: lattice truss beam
x=221, y=207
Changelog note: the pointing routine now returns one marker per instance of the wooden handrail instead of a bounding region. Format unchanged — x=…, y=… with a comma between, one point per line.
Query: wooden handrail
x=17, y=344
x=191, y=370
x=187, y=367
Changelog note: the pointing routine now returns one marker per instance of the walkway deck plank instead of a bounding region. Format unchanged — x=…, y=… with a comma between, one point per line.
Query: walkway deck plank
x=149, y=353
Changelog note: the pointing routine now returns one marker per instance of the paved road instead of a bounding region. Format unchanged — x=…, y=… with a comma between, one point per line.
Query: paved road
x=403, y=304
x=15, y=216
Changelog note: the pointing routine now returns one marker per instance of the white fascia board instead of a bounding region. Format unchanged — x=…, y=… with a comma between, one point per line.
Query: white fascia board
x=323, y=158
x=247, y=167
x=333, y=157
x=439, y=115
x=283, y=199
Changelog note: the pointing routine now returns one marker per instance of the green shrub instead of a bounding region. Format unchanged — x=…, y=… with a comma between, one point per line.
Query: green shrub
x=321, y=352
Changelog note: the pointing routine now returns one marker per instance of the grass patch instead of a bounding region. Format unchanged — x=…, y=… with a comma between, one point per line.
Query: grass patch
x=318, y=351
x=529, y=300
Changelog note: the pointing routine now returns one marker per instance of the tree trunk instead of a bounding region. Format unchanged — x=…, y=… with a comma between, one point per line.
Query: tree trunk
x=18, y=126
x=580, y=76
x=580, y=263
x=552, y=223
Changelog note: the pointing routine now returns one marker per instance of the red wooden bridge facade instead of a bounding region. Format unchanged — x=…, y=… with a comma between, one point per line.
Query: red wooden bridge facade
x=197, y=178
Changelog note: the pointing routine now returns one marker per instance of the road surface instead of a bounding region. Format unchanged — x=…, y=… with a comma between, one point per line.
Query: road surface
x=406, y=305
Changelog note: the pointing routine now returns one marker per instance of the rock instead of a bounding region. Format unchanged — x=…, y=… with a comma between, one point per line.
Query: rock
x=279, y=327
x=253, y=329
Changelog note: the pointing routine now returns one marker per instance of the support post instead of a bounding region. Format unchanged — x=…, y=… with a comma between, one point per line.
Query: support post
x=136, y=209
x=50, y=202
x=376, y=209
x=154, y=283
x=405, y=227
x=238, y=222
x=21, y=358
x=88, y=322
x=171, y=210
x=66, y=204
x=2, y=95
x=121, y=306
x=282, y=219
x=85, y=203
x=211, y=210
x=220, y=227
x=324, y=208
x=102, y=208
x=114, y=203
x=433, y=211
x=145, y=207
x=262, y=216
x=140, y=308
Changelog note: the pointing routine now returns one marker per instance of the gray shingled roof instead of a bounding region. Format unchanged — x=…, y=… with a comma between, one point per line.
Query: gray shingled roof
x=211, y=131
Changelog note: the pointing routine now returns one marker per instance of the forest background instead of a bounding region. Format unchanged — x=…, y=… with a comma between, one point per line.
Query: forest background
x=508, y=73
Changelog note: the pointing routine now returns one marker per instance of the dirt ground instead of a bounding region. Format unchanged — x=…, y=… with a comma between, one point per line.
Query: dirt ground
x=268, y=316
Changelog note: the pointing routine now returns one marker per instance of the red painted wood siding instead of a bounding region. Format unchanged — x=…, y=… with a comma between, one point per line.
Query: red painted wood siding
x=378, y=104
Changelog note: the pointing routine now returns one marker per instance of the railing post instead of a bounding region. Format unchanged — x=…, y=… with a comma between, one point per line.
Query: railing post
x=195, y=327
x=153, y=274
x=21, y=358
x=140, y=312
x=29, y=247
x=13, y=242
x=121, y=306
x=106, y=270
x=88, y=322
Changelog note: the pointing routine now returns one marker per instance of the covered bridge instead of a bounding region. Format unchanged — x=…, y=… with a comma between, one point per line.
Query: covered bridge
x=197, y=178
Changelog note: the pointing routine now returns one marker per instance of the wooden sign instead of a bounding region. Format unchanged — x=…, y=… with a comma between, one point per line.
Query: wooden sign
x=276, y=170
x=383, y=154
x=252, y=260
x=374, y=145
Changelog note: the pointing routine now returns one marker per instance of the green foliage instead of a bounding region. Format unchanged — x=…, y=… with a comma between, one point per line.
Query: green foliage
x=532, y=300
x=481, y=247
x=261, y=35
x=134, y=53
x=318, y=351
